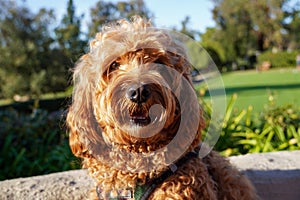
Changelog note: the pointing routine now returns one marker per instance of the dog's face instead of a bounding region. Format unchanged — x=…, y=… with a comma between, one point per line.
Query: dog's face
x=133, y=92
x=137, y=99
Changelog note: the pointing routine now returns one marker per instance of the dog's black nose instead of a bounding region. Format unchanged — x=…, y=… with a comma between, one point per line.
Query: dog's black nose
x=138, y=93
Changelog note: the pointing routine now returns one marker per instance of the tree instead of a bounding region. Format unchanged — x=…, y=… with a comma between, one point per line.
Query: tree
x=267, y=17
x=185, y=29
x=24, y=46
x=292, y=25
x=234, y=26
x=105, y=12
x=69, y=35
x=244, y=28
x=213, y=47
x=32, y=61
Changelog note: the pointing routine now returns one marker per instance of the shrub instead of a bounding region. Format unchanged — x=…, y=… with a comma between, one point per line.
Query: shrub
x=279, y=59
x=276, y=128
x=33, y=144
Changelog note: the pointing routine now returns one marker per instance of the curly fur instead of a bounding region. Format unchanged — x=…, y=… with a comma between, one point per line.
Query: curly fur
x=118, y=154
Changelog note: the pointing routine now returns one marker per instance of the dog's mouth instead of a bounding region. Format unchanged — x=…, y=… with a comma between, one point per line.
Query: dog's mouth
x=140, y=118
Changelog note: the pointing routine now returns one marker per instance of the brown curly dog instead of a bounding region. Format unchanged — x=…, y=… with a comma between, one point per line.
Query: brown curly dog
x=136, y=122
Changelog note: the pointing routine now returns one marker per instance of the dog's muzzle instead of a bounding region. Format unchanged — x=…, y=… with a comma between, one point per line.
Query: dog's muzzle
x=139, y=94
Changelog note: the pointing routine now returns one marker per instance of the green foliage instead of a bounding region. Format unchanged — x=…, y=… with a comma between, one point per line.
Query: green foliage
x=69, y=33
x=293, y=26
x=233, y=19
x=275, y=129
x=213, y=47
x=33, y=144
x=186, y=30
x=29, y=64
x=278, y=60
x=36, y=57
x=242, y=29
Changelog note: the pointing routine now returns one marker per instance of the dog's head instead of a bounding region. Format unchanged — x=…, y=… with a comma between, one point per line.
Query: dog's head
x=133, y=92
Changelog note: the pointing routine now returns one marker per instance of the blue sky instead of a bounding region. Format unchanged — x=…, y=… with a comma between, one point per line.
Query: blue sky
x=168, y=13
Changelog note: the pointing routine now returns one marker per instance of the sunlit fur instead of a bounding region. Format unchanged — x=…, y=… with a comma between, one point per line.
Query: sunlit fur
x=122, y=55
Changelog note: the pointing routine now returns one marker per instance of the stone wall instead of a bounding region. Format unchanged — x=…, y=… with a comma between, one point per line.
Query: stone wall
x=275, y=175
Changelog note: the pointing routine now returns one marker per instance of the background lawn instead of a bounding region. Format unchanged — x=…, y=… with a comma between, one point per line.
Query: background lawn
x=255, y=88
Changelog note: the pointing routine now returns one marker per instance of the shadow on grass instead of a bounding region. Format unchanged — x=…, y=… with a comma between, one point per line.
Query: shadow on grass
x=232, y=90
x=50, y=105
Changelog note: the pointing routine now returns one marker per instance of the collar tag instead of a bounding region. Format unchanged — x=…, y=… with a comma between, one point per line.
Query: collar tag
x=121, y=194
x=115, y=194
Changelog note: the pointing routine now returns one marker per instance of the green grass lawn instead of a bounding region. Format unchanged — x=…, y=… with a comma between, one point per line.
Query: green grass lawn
x=254, y=88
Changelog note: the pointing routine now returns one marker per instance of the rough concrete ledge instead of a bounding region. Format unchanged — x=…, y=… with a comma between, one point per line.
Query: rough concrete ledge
x=275, y=175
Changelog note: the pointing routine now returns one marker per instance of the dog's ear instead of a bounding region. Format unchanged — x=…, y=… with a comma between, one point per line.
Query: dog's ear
x=76, y=144
x=80, y=115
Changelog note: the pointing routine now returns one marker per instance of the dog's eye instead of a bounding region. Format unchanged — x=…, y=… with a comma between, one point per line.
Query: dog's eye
x=114, y=66
x=159, y=61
